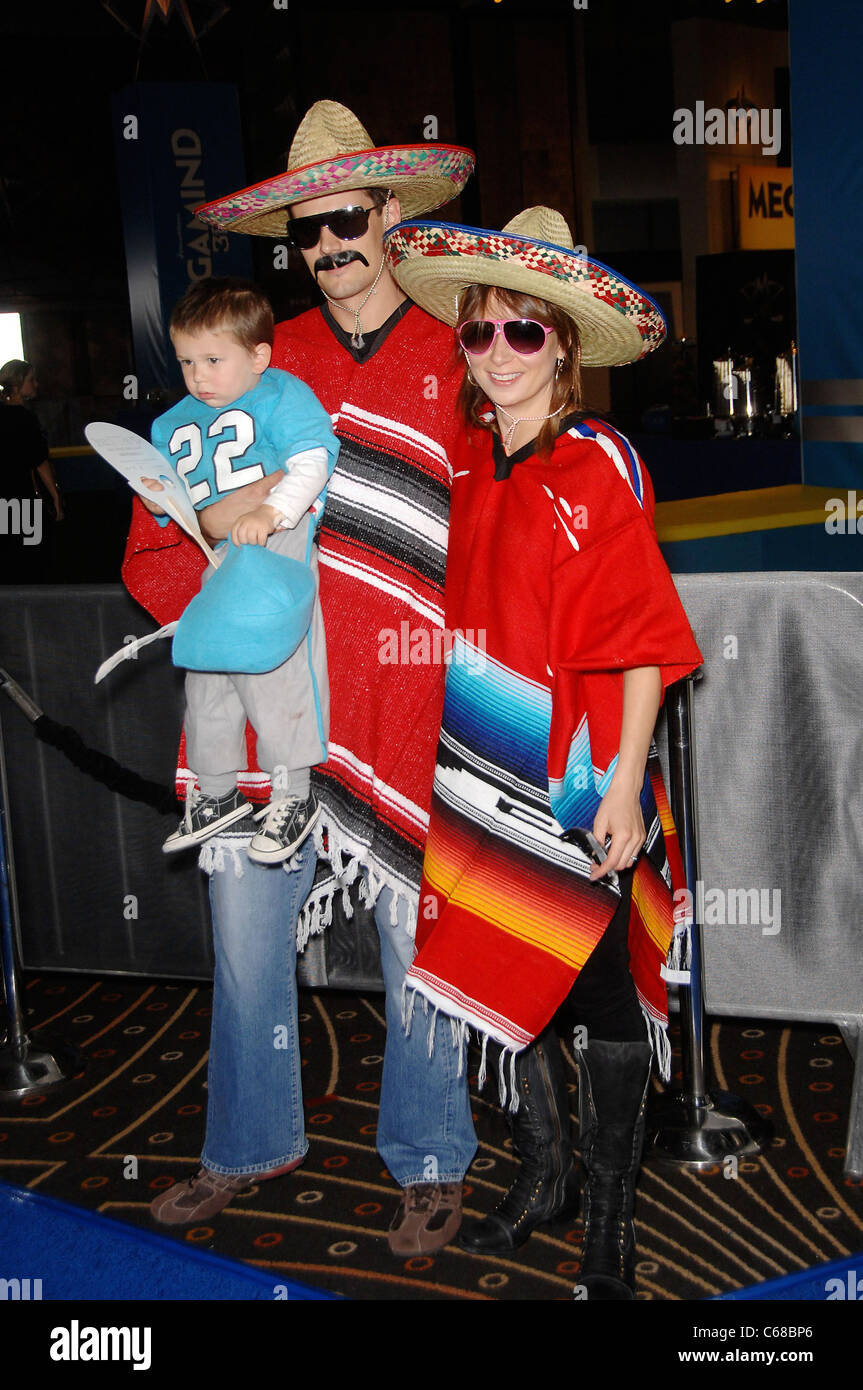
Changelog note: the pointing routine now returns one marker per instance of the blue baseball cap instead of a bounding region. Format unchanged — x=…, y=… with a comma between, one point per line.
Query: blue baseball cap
x=249, y=617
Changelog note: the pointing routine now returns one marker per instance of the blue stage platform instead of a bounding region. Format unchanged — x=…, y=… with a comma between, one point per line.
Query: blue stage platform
x=838, y=1281
x=80, y=1255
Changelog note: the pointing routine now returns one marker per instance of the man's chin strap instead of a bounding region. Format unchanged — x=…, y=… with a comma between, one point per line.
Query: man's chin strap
x=357, y=339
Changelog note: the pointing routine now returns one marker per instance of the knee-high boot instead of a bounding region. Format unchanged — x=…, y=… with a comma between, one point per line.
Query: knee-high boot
x=612, y=1092
x=546, y=1187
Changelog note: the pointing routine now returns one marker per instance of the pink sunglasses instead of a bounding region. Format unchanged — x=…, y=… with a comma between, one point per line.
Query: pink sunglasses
x=524, y=336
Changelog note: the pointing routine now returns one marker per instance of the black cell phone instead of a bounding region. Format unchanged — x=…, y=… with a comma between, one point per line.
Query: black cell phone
x=589, y=845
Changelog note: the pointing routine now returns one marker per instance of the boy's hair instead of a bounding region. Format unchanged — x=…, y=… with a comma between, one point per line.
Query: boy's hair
x=226, y=303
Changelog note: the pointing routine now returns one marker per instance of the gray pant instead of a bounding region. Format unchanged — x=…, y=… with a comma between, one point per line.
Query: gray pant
x=289, y=708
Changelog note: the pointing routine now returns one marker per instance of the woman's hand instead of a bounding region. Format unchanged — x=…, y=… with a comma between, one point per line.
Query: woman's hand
x=619, y=813
x=45, y=472
x=619, y=816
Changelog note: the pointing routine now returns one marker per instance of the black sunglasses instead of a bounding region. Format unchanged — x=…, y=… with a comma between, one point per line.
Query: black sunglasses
x=346, y=223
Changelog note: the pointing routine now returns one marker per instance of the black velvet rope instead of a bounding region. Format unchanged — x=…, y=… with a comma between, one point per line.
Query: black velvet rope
x=105, y=770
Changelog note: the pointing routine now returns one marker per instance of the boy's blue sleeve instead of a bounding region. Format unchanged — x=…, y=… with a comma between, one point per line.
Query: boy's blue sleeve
x=298, y=421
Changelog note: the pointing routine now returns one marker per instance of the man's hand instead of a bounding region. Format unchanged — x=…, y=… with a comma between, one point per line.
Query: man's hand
x=217, y=521
x=154, y=486
x=255, y=526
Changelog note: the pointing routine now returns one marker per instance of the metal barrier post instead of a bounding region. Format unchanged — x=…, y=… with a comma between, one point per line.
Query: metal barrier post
x=695, y=1127
x=28, y=1062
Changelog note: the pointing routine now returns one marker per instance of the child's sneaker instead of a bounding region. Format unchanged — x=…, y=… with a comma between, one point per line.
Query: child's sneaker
x=286, y=825
x=206, y=816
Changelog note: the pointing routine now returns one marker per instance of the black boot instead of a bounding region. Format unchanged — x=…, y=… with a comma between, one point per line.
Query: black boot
x=612, y=1093
x=547, y=1184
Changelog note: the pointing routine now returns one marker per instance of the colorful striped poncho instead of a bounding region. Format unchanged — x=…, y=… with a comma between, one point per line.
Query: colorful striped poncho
x=555, y=585
x=382, y=555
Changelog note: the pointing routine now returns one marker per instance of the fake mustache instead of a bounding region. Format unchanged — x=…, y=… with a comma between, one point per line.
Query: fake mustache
x=339, y=259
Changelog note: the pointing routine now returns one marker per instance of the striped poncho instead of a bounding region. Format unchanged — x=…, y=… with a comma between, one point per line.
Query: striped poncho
x=382, y=554
x=555, y=585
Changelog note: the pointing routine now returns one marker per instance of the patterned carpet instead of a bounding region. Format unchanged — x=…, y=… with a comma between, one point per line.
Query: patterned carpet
x=132, y=1123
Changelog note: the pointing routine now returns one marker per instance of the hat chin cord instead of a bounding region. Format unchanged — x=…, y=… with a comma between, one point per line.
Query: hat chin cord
x=521, y=420
x=357, y=339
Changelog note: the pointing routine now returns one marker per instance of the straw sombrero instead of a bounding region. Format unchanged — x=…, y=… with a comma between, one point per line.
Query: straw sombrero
x=434, y=262
x=332, y=152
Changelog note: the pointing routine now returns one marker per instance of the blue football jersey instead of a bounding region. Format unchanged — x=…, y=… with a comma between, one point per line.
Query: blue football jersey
x=216, y=449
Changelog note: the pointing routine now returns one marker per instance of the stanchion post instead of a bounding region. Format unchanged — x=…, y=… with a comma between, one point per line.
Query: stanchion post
x=684, y=800
x=695, y=1127
x=27, y=1062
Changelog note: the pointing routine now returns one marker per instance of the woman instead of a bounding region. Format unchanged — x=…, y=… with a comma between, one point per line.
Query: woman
x=565, y=630
x=25, y=464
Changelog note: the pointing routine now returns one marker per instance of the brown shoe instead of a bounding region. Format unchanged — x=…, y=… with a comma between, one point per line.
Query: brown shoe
x=205, y=1194
x=428, y=1216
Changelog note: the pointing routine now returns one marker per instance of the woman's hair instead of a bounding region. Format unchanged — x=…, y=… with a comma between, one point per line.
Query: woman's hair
x=228, y=304
x=566, y=389
x=13, y=374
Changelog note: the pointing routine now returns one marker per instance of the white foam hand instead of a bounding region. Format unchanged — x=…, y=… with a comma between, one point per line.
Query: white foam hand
x=135, y=458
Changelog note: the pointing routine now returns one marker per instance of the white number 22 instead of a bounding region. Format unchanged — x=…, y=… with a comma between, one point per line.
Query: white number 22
x=227, y=477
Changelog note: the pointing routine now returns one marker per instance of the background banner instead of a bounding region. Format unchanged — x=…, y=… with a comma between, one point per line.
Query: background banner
x=765, y=207
x=177, y=145
x=826, y=41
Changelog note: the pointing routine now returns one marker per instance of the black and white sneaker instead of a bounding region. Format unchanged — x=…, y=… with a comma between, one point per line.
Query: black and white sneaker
x=206, y=816
x=286, y=825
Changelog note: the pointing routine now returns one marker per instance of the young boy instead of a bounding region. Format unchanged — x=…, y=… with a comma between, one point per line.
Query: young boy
x=242, y=421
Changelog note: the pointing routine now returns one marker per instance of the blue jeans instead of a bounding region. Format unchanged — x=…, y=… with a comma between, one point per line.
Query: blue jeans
x=425, y=1126
x=255, y=1107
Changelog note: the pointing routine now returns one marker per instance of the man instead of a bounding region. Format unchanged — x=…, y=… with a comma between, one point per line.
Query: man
x=381, y=366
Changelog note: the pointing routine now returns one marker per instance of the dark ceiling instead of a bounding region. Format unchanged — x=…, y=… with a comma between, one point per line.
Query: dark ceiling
x=59, y=220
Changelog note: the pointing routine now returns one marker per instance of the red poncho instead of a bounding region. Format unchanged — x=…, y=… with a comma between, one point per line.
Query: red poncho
x=382, y=552
x=555, y=585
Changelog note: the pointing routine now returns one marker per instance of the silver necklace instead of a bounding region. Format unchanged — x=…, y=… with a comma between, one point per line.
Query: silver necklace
x=523, y=420
x=357, y=339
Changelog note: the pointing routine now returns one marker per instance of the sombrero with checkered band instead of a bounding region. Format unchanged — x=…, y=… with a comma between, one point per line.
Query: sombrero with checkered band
x=434, y=262
x=332, y=152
